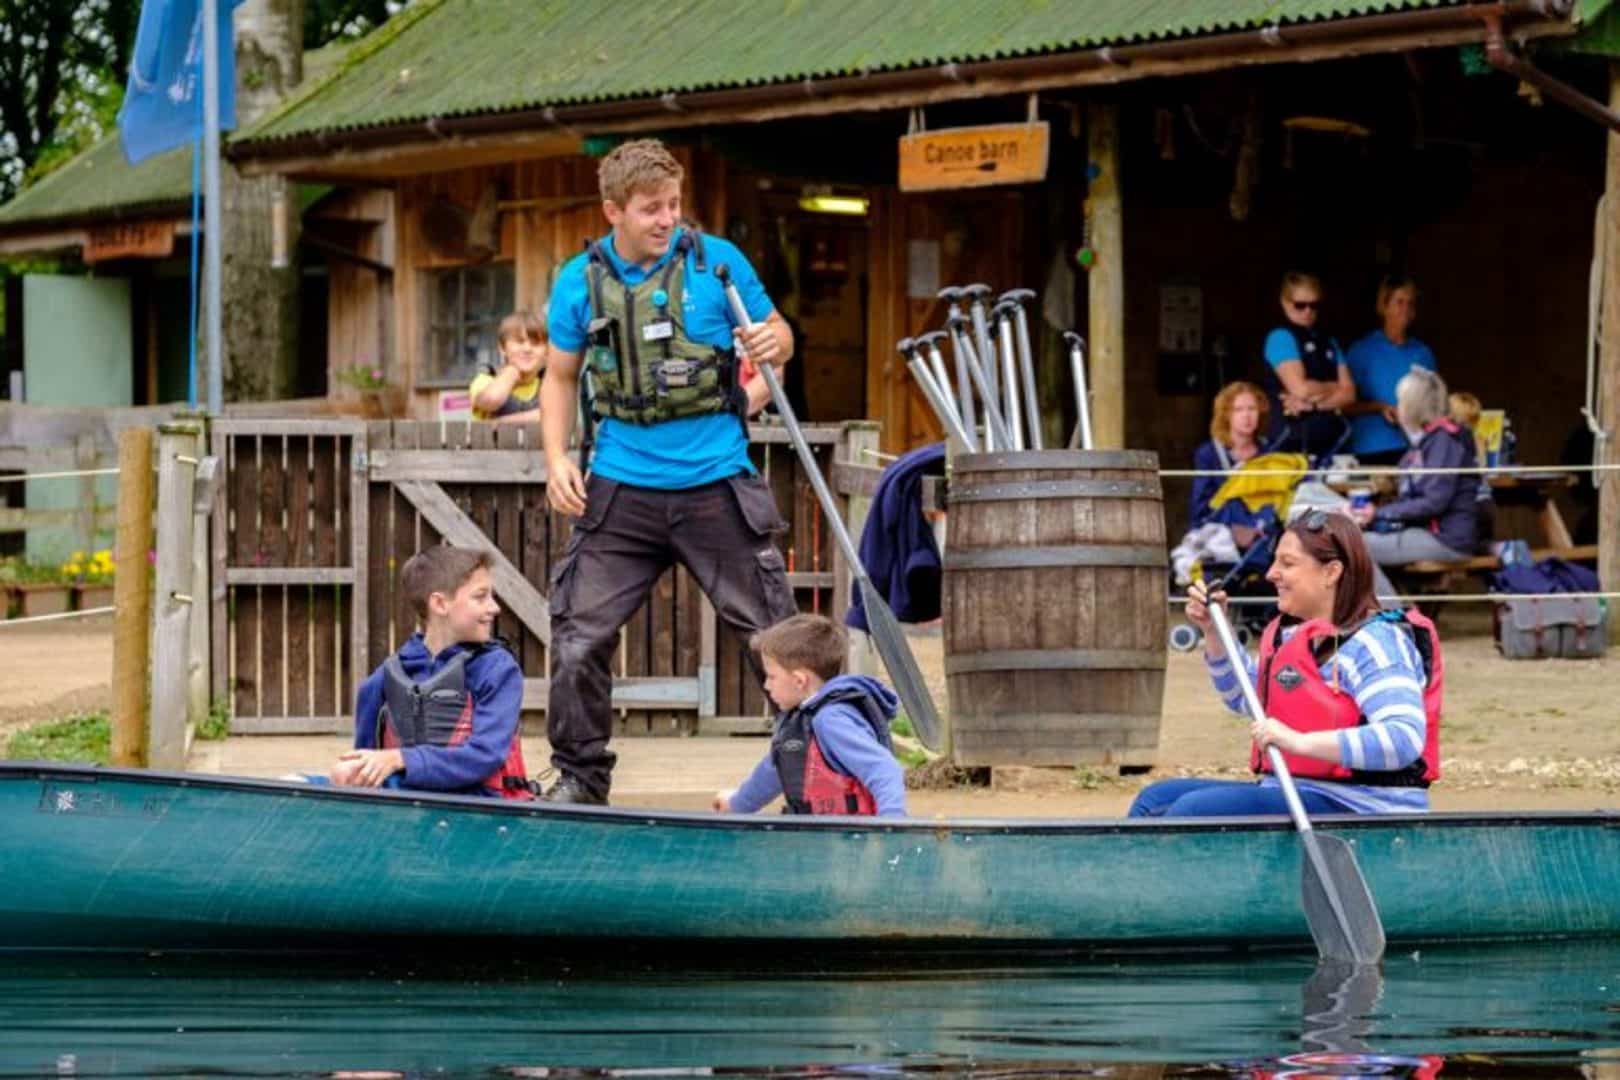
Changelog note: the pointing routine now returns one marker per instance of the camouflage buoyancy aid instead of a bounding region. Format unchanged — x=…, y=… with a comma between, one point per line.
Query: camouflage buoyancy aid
x=644, y=369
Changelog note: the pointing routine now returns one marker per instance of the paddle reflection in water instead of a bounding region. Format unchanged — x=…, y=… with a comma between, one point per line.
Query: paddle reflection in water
x=1552, y=1009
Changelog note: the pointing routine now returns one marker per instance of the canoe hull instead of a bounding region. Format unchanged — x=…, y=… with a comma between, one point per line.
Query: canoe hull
x=112, y=859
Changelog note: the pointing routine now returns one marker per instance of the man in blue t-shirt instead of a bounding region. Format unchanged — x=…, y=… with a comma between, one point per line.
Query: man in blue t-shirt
x=1377, y=362
x=670, y=479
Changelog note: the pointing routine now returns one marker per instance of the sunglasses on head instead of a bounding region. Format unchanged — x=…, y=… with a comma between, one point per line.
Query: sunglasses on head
x=1316, y=521
x=1304, y=305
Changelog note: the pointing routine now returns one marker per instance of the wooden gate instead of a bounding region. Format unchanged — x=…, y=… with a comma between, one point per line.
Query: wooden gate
x=315, y=517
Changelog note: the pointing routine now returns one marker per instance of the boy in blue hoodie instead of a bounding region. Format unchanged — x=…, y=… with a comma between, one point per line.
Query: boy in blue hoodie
x=831, y=752
x=442, y=713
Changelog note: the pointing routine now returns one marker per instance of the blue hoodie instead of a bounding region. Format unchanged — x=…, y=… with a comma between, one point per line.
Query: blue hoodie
x=846, y=742
x=496, y=684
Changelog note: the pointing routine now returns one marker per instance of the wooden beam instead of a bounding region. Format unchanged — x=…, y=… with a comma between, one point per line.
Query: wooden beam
x=289, y=575
x=1106, y=282
x=515, y=591
x=172, y=598
x=642, y=692
x=1609, y=372
x=459, y=466
x=851, y=478
x=132, y=599
x=407, y=158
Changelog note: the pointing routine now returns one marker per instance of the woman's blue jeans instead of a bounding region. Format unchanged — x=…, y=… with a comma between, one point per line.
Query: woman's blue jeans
x=1192, y=797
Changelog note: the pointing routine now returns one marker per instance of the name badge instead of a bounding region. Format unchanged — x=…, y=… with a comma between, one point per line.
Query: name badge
x=658, y=331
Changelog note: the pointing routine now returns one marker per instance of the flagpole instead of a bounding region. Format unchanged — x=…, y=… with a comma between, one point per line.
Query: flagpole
x=211, y=203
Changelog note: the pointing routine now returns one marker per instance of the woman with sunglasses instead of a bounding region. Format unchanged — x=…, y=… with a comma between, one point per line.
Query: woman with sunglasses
x=1352, y=694
x=1308, y=371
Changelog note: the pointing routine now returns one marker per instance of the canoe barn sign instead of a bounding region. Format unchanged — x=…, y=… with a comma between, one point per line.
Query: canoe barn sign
x=138, y=239
x=969, y=157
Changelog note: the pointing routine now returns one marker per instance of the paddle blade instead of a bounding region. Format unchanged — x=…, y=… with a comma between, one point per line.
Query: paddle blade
x=1338, y=905
x=895, y=652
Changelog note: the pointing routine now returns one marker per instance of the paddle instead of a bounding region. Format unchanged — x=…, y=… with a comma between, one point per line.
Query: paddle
x=1338, y=906
x=885, y=628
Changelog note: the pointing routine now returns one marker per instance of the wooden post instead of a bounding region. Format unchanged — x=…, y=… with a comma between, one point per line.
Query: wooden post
x=1609, y=371
x=173, y=597
x=1106, y=287
x=859, y=436
x=132, y=597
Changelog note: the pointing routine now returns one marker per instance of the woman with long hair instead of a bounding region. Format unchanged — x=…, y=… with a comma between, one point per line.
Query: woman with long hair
x=1351, y=694
x=1237, y=421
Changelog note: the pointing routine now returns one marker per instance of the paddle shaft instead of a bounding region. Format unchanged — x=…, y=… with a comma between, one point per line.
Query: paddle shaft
x=812, y=469
x=1279, y=767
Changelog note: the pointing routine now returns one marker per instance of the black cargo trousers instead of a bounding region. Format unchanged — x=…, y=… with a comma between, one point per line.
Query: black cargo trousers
x=721, y=532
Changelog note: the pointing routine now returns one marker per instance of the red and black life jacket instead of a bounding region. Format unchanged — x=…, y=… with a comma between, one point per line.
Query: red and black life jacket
x=809, y=784
x=1293, y=689
x=438, y=711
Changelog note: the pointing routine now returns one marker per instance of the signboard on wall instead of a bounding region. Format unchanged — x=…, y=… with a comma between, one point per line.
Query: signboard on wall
x=970, y=157
x=130, y=239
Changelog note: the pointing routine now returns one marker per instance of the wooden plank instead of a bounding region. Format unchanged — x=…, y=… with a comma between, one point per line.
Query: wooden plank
x=298, y=665
x=290, y=575
x=1608, y=374
x=172, y=599
x=508, y=533
x=272, y=552
x=219, y=592
x=131, y=660
x=245, y=601
x=849, y=478
x=477, y=466
x=533, y=560
x=644, y=692
x=330, y=542
x=19, y=519
x=271, y=426
x=511, y=586
x=373, y=506
x=292, y=725
x=769, y=432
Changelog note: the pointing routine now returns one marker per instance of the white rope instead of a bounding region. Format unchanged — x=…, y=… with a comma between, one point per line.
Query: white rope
x=53, y=618
x=18, y=478
x=1447, y=598
x=1548, y=471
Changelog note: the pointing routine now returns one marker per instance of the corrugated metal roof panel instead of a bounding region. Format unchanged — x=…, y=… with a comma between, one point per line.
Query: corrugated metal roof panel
x=462, y=57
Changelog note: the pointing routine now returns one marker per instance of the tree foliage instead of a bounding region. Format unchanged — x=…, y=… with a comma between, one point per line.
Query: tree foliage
x=61, y=65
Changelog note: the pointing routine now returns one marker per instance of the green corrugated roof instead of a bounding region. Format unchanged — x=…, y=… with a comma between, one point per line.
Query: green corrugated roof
x=99, y=184
x=444, y=58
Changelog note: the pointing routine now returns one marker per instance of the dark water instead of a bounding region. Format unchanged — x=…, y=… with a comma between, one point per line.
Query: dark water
x=1520, y=1011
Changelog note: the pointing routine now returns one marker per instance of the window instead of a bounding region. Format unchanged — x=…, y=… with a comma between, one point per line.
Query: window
x=465, y=306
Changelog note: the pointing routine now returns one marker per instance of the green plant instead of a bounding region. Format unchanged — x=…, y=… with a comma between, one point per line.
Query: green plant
x=20, y=571
x=217, y=724
x=361, y=376
x=85, y=737
x=901, y=725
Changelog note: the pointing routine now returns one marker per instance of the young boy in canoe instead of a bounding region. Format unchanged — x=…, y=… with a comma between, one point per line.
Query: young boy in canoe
x=831, y=752
x=441, y=714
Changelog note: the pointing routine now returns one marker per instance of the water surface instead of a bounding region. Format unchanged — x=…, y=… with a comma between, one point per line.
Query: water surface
x=1527, y=1010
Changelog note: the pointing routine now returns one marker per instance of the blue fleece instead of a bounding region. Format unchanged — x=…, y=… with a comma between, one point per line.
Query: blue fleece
x=847, y=743
x=1377, y=364
x=496, y=684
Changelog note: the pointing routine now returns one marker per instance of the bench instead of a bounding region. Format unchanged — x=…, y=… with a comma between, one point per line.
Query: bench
x=1443, y=570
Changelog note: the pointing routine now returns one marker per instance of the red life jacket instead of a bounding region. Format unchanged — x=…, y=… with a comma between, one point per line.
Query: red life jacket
x=438, y=711
x=809, y=784
x=1293, y=689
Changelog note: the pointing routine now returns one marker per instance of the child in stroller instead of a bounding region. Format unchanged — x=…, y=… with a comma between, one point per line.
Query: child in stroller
x=1253, y=510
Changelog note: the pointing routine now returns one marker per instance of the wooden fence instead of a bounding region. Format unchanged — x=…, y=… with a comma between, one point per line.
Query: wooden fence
x=314, y=518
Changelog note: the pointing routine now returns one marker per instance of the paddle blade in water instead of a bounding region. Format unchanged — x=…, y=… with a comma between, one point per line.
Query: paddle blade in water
x=1338, y=906
x=892, y=647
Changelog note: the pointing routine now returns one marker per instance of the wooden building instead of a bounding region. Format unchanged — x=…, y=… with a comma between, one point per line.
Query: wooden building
x=1196, y=151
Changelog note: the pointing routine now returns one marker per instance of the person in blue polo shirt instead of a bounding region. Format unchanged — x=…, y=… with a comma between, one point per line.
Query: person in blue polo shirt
x=1377, y=363
x=642, y=312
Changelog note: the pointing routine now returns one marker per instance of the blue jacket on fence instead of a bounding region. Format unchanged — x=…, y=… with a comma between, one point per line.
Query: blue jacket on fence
x=897, y=547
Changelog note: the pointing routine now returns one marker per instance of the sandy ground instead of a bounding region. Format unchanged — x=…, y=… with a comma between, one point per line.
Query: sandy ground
x=1518, y=735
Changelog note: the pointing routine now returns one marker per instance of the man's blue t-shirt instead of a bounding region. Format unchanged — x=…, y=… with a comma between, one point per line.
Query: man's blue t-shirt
x=1377, y=364
x=674, y=454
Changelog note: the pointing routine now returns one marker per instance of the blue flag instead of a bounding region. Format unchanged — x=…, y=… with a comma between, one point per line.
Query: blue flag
x=163, y=106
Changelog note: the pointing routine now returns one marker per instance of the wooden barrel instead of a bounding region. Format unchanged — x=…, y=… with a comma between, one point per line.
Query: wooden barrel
x=1054, y=605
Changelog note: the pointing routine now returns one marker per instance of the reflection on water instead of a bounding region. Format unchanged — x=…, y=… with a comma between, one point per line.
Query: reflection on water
x=1546, y=1010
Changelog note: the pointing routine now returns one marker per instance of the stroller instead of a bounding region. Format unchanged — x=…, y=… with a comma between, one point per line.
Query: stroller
x=1244, y=579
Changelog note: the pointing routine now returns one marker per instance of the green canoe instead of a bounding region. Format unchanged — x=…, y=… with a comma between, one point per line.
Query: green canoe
x=114, y=859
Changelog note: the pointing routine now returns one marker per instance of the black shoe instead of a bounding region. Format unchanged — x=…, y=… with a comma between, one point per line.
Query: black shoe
x=571, y=789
